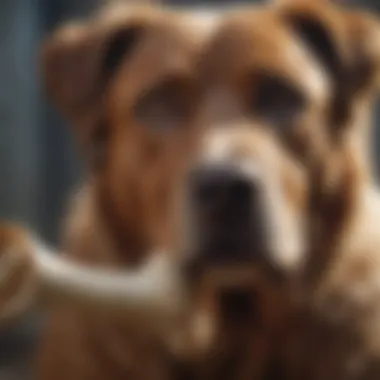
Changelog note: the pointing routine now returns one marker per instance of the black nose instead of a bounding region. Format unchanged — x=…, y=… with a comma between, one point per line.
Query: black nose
x=222, y=190
x=227, y=214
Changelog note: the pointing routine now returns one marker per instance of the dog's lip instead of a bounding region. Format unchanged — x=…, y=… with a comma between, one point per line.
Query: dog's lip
x=239, y=305
x=228, y=250
x=235, y=297
x=230, y=243
x=229, y=226
x=233, y=273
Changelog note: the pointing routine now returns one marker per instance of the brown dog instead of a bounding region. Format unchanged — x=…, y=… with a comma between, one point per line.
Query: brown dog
x=165, y=132
x=243, y=132
x=149, y=136
x=244, y=142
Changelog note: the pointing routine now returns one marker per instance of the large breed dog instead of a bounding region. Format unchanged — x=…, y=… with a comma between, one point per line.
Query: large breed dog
x=241, y=150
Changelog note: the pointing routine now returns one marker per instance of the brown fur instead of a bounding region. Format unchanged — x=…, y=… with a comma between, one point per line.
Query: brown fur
x=319, y=164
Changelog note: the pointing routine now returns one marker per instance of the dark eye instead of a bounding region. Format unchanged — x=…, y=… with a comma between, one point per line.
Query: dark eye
x=165, y=107
x=276, y=101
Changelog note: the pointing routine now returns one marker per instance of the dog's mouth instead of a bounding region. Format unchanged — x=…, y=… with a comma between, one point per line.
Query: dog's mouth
x=228, y=243
x=238, y=306
x=235, y=294
x=234, y=269
x=225, y=248
x=230, y=263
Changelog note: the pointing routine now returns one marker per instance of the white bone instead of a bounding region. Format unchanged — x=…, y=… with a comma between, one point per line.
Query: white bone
x=46, y=279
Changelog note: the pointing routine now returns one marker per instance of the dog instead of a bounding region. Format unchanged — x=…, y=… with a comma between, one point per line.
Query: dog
x=257, y=173
x=147, y=163
x=282, y=116
x=163, y=147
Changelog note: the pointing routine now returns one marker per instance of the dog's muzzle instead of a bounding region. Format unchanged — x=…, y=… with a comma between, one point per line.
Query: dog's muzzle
x=230, y=263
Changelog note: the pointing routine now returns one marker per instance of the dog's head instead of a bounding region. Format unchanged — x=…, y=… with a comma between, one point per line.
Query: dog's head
x=232, y=139
x=187, y=126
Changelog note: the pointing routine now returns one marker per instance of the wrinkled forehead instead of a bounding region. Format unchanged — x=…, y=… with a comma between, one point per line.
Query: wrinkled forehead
x=163, y=52
x=258, y=42
x=171, y=46
x=164, y=46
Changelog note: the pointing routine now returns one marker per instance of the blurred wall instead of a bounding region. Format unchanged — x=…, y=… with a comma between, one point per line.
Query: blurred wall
x=20, y=130
x=38, y=160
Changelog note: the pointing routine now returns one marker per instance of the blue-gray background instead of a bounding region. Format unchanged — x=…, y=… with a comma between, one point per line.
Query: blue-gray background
x=38, y=159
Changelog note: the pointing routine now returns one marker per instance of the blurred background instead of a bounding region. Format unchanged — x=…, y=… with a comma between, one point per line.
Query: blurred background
x=38, y=160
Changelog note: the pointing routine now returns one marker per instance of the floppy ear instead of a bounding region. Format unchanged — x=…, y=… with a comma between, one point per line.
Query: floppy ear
x=78, y=62
x=363, y=31
x=316, y=25
x=338, y=39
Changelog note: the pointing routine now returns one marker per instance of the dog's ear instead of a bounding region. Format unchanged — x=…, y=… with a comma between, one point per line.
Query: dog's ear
x=324, y=35
x=339, y=39
x=363, y=34
x=79, y=60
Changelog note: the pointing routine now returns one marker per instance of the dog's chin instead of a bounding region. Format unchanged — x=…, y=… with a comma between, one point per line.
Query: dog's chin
x=239, y=307
x=237, y=286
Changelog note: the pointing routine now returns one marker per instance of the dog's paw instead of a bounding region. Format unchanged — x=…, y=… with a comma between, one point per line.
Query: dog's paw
x=17, y=277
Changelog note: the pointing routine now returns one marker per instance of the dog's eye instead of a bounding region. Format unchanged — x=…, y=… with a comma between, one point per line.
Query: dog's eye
x=276, y=101
x=165, y=107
